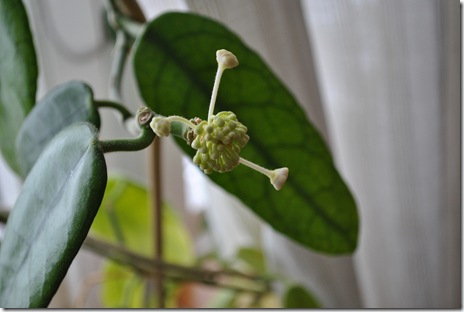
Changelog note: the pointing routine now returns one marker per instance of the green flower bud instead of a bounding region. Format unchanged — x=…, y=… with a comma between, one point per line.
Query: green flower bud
x=218, y=142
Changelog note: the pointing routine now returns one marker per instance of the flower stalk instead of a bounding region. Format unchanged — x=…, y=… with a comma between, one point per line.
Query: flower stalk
x=277, y=176
x=225, y=60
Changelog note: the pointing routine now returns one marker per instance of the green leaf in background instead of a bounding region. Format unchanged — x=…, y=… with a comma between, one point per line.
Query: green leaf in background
x=175, y=63
x=254, y=258
x=296, y=297
x=225, y=299
x=64, y=105
x=123, y=288
x=18, y=75
x=125, y=217
x=51, y=218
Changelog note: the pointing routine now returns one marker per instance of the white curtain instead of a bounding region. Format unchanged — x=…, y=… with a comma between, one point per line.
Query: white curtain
x=379, y=79
x=389, y=72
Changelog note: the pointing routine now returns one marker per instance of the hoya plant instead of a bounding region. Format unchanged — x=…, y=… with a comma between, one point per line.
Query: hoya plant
x=252, y=139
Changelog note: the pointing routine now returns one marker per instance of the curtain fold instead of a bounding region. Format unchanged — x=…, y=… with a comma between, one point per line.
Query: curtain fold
x=451, y=83
x=388, y=71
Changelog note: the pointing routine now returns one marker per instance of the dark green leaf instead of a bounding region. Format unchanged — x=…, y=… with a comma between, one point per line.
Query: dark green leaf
x=51, y=217
x=18, y=75
x=66, y=104
x=175, y=64
x=296, y=297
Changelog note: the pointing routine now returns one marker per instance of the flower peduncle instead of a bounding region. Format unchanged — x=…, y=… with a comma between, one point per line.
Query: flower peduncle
x=225, y=60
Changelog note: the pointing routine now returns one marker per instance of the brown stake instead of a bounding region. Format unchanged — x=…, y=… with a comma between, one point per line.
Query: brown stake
x=157, y=217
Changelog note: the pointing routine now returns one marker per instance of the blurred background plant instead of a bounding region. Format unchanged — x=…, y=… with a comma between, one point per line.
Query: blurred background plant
x=379, y=80
x=124, y=221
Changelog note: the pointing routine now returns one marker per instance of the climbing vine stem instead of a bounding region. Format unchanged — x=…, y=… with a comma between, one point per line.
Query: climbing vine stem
x=125, y=113
x=145, y=138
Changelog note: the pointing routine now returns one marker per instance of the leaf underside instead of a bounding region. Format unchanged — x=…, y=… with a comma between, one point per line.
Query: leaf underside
x=64, y=105
x=174, y=63
x=18, y=75
x=51, y=218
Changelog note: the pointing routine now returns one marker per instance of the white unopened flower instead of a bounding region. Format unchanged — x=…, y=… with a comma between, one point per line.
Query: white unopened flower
x=226, y=59
x=161, y=126
x=278, y=177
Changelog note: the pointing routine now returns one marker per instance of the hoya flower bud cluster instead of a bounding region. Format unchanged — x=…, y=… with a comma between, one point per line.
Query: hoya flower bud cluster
x=218, y=143
x=219, y=139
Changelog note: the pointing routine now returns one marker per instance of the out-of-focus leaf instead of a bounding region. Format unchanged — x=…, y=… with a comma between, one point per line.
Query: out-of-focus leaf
x=174, y=63
x=51, y=218
x=125, y=217
x=64, y=105
x=224, y=299
x=270, y=300
x=296, y=297
x=254, y=258
x=123, y=288
x=18, y=75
